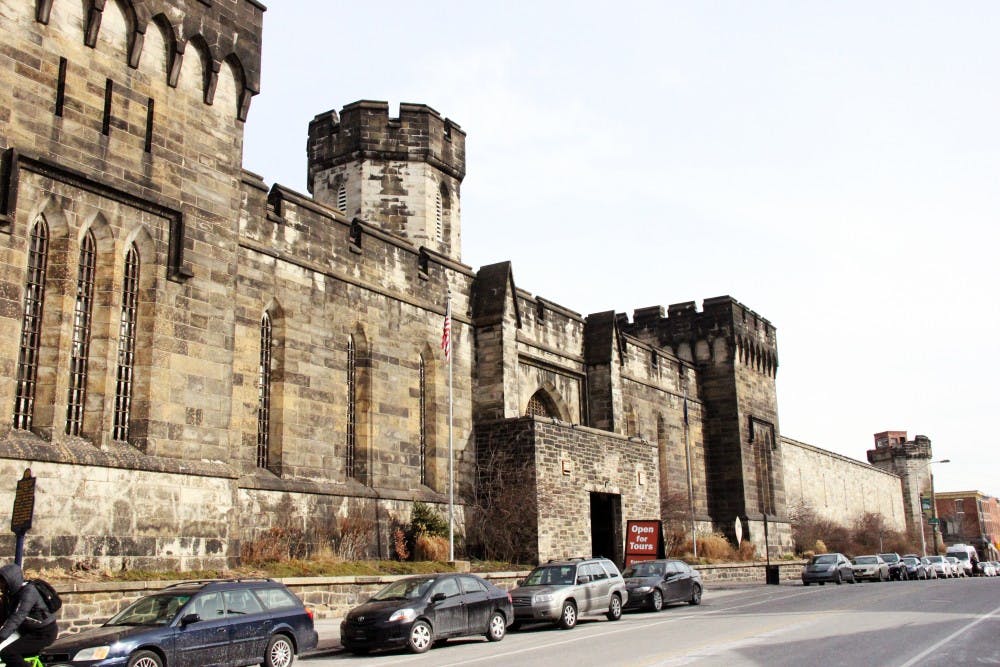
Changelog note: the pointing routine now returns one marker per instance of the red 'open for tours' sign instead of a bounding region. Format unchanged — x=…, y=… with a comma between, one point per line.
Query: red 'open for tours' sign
x=643, y=541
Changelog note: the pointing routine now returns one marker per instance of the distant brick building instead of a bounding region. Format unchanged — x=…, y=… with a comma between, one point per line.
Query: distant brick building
x=192, y=358
x=970, y=517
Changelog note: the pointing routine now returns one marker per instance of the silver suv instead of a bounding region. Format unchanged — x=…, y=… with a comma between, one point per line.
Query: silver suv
x=560, y=591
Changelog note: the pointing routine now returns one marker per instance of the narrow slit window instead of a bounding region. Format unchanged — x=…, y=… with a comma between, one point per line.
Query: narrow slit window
x=438, y=216
x=61, y=87
x=125, y=376
x=108, y=89
x=31, y=327
x=264, y=393
x=149, y=125
x=349, y=467
x=79, y=353
x=423, y=422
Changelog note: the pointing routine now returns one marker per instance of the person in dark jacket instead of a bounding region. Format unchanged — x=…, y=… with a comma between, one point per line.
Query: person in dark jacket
x=25, y=613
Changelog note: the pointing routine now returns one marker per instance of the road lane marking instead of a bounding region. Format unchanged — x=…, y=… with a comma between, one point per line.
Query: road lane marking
x=920, y=656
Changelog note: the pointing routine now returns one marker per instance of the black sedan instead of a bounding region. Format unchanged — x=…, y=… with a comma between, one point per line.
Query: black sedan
x=196, y=624
x=654, y=583
x=417, y=611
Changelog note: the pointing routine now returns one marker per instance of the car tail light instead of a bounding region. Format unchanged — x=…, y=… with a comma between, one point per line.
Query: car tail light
x=309, y=613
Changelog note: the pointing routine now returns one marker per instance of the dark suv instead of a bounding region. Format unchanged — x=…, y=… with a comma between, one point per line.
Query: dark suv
x=560, y=591
x=231, y=622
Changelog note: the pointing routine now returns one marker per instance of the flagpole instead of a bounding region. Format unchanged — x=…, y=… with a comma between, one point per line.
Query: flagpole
x=451, y=455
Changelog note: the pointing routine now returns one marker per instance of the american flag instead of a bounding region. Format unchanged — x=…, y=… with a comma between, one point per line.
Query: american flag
x=446, y=333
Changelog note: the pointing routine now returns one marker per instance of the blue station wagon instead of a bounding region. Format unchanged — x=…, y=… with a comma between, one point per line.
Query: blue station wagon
x=218, y=623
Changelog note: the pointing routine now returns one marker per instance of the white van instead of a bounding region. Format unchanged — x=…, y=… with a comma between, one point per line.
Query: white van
x=967, y=557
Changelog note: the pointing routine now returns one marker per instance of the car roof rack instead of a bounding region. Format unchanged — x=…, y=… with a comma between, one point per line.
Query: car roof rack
x=205, y=582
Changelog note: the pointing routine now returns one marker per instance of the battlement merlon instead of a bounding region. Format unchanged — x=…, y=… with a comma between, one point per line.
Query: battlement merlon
x=364, y=130
x=720, y=315
x=918, y=448
x=229, y=31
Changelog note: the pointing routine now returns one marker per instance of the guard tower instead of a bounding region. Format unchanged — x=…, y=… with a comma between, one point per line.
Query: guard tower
x=911, y=460
x=402, y=174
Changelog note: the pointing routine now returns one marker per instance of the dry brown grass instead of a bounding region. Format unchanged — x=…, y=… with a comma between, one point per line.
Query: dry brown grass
x=431, y=547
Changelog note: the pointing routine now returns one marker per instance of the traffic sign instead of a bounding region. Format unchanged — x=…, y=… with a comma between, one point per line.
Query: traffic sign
x=933, y=521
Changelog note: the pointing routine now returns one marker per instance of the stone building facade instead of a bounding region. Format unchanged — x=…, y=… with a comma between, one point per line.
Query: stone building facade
x=193, y=357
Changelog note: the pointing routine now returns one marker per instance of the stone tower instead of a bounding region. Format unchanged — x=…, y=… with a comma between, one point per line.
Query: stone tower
x=911, y=461
x=735, y=351
x=403, y=174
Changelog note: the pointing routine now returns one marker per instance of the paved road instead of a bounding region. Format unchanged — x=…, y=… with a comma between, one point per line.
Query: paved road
x=944, y=623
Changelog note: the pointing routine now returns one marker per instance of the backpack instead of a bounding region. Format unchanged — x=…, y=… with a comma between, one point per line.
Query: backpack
x=49, y=595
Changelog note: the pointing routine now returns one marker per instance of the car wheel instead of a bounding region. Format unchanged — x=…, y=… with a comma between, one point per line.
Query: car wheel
x=145, y=659
x=615, y=608
x=805, y=583
x=497, y=628
x=838, y=578
x=822, y=583
x=656, y=600
x=695, y=595
x=420, y=638
x=280, y=652
x=567, y=618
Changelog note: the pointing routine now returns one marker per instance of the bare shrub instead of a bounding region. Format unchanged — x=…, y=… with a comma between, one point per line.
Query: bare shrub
x=501, y=522
x=356, y=534
x=399, y=544
x=431, y=547
x=273, y=545
x=747, y=551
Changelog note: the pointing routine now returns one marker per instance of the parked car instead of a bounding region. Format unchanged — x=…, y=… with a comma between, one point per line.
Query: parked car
x=897, y=570
x=958, y=570
x=828, y=567
x=417, y=611
x=987, y=568
x=197, y=623
x=561, y=591
x=941, y=567
x=654, y=583
x=870, y=567
x=915, y=568
x=929, y=570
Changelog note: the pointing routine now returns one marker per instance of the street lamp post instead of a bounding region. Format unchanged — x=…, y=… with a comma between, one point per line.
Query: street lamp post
x=923, y=540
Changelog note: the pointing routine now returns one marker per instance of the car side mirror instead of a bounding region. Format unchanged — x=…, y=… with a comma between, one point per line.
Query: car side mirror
x=583, y=579
x=520, y=582
x=437, y=597
x=188, y=619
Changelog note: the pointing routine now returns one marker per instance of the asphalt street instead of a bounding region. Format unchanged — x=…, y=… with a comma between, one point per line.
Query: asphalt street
x=894, y=624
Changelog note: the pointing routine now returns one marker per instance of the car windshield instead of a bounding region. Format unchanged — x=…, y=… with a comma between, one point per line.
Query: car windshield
x=649, y=569
x=910, y=561
x=152, y=610
x=889, y=558
x=405, y=589
x=866, y=560
x=935, y=559
x=552, y=575
x=824, y=560
x=960, y=555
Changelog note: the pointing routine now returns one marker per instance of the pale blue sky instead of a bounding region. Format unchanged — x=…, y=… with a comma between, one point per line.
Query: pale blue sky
x=833, y=166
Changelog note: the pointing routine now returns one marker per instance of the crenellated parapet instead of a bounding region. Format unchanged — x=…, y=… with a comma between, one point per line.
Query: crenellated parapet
x=723, y=329
x=364, y=129
x=404, y=174
x=215, y=34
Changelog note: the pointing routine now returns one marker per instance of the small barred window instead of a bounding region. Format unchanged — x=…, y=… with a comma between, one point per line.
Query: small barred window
x=264, y=393
x=349, y=467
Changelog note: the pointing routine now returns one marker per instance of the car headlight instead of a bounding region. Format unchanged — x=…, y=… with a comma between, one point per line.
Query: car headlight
x=543, y=598
x=404, y=615
x=94, y=653
x=642, y=589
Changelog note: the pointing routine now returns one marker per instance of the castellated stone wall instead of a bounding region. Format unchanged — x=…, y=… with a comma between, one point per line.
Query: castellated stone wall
x=839, y=488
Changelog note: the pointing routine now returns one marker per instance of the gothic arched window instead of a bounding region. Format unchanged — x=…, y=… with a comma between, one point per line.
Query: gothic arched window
x=541, y=405
x=80, y=350
x=264, y=393
x=125, y=378
x=349, y=467
x=31, y=326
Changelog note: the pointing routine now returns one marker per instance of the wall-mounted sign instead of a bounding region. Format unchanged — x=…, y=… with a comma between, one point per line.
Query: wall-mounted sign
x=24, y=504
x=643, y=540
